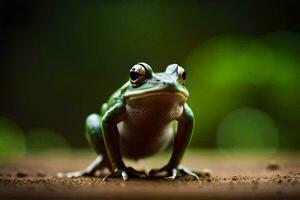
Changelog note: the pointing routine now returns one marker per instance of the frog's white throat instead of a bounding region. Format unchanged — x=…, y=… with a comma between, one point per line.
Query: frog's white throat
x=156, y=104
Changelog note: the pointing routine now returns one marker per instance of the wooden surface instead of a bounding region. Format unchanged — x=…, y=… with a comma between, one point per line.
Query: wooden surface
x=236, y=176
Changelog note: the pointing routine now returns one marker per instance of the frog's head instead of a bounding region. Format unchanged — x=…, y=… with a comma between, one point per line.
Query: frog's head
x=145, y=83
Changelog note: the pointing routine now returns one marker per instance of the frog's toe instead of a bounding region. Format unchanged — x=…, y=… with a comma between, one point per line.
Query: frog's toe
x=116, y=174
x=187, y=171
x=125, y=174
x=181, y=171
x=172, y=173
x=74, y=174
x=173, y=176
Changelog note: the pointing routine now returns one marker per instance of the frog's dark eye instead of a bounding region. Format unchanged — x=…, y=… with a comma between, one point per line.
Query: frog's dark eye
x=184, y=76
x=137, y=74
x=181, y=74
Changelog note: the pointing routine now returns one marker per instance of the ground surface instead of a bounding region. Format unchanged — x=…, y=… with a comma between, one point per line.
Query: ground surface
x=240, y=176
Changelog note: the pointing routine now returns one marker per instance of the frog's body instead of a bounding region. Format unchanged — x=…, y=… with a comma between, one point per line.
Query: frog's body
x=153, y=115
x=139, y=120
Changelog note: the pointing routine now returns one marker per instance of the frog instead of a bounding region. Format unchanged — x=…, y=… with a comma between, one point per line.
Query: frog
x=142, y=118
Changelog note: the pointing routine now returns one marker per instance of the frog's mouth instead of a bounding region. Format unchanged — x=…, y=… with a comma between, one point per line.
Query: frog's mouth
x=154, y=92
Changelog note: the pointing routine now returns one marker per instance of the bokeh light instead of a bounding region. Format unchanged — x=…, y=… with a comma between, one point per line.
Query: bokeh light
x=247, y=129
x=12, y=141
x=237, y=70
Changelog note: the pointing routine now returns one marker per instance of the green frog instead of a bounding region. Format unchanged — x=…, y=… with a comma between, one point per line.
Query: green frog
x=139, y=120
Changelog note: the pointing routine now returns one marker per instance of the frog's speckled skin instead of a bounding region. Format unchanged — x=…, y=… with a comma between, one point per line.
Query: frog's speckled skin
x=139, y=120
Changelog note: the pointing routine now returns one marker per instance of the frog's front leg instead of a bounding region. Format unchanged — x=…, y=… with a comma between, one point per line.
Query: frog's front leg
x=93, y=134
x=111, y=137
x=182, y=139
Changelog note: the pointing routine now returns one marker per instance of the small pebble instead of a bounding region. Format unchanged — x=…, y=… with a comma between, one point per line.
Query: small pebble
x=273, y=165
x=207, y=172
x=41, y=174
x=21, y=174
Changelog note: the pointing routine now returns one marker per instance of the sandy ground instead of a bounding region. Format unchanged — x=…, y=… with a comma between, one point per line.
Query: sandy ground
x=238, y=176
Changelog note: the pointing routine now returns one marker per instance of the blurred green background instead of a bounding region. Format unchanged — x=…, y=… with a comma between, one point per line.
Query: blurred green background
x=60, y=60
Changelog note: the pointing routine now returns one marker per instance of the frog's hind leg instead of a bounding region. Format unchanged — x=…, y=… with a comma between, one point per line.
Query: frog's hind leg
x=94, y=136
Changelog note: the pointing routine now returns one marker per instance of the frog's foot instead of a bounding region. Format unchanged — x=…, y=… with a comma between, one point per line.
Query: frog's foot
x=75, y=174
x=97, y=164
x=170, y=173
x=125, y=174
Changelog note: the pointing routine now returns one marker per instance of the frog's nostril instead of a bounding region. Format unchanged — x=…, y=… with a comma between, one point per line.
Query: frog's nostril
x=168, y=83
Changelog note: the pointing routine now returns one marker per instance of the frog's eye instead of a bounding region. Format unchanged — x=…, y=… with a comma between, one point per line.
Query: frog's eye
x=137, y=74
x=181, y=74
